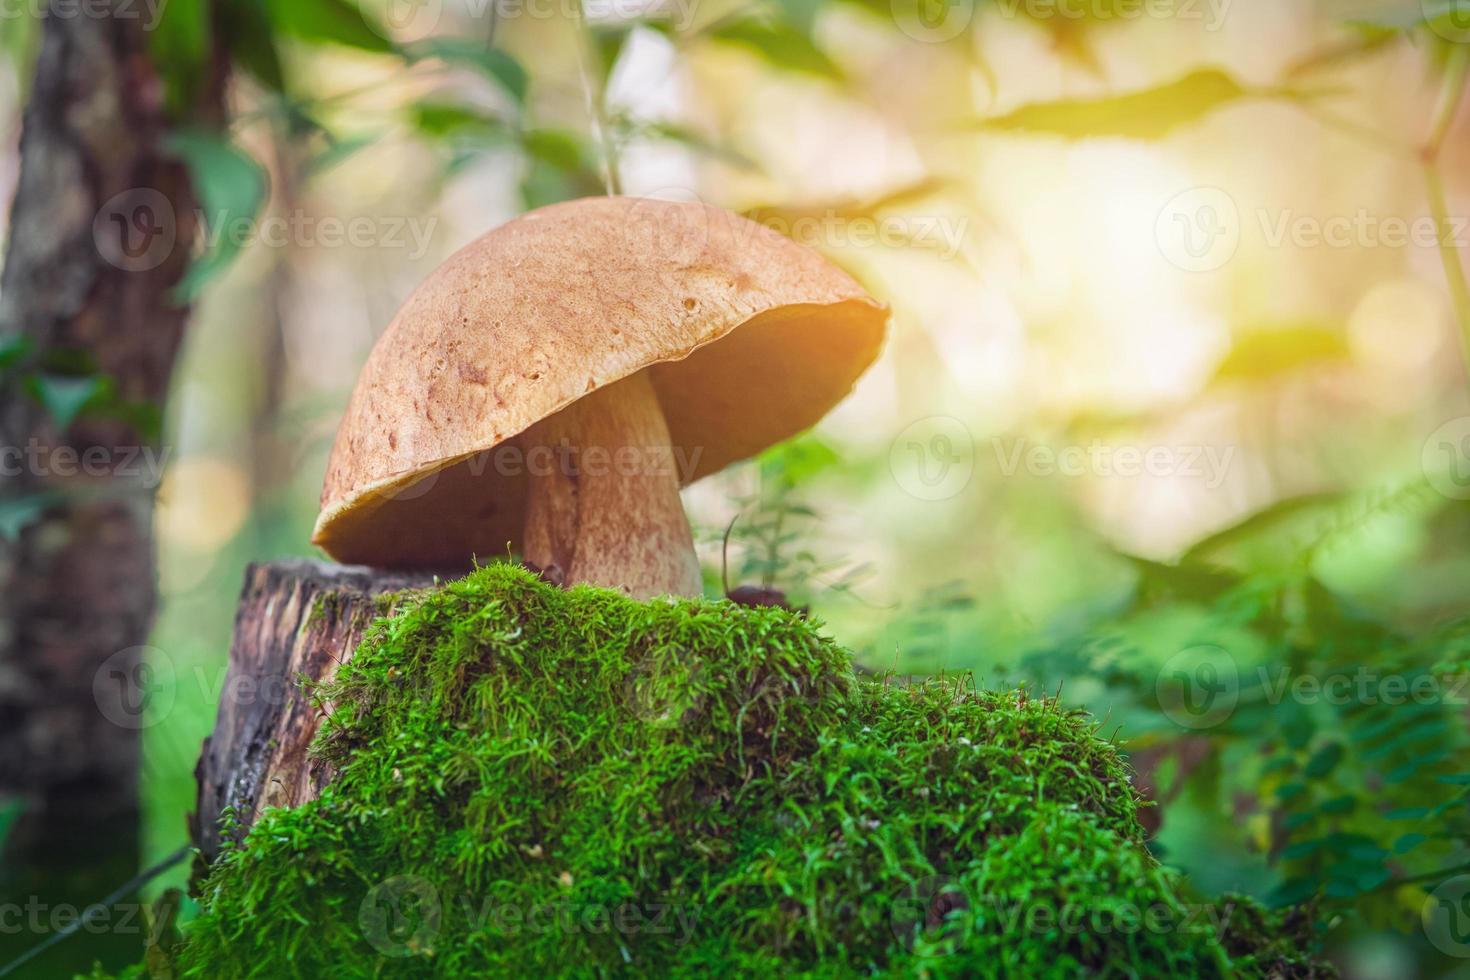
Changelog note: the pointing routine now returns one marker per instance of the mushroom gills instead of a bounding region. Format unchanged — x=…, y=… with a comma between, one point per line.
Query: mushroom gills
x=602, y=501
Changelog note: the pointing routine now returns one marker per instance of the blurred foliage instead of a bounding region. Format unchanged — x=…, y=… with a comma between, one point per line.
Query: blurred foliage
x=1150, y=114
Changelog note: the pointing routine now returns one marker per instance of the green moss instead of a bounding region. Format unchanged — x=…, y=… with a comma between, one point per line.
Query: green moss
x=538, y=779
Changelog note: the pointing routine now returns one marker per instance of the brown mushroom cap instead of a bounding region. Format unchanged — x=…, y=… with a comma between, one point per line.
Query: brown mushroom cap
x=558, y=303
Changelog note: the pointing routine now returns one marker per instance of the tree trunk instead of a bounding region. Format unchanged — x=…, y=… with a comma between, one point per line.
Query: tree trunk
x=296, y=619
x=101, y=231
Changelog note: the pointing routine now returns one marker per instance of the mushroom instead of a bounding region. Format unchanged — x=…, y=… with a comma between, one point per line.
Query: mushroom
x=553, y=385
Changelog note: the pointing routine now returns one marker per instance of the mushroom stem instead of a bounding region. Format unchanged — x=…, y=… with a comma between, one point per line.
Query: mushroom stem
x=602, y=503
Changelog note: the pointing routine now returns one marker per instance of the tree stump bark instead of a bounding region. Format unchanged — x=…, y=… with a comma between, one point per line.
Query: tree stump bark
x=296, y=620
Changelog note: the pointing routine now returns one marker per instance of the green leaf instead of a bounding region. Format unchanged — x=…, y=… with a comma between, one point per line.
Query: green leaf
x=1263, y=525
x=1290, y=791
x=491, y=62
x=1414, y=765
x=1268, y=353
x=780, y=43
x=231, y=188
x=10, y=811
x=1302, y=849
x=338, y=150
x=16, y=514
x=1295, y=821
x=65, y=396
x=247, y=31
x=441, y=120
x=610, y=40
x=801, y=13
x=1324, y=760
x=1408, y=842
x=1407, y=813
x=1148, y=114
x=13, y=349
x=556, y=148
x=179, y=43
x=1339, y=805
x=683, y=135
x=329, y=21
x=1292, y=892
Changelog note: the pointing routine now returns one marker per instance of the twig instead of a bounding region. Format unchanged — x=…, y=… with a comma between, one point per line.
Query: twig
x=596, y=95
x=91, y=911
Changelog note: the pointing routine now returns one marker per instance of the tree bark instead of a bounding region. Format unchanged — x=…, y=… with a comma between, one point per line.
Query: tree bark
x=100, y=233
x=296, y=620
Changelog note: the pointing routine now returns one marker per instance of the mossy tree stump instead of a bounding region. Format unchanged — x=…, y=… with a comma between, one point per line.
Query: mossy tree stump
x=512, y=778
x=297, y=621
